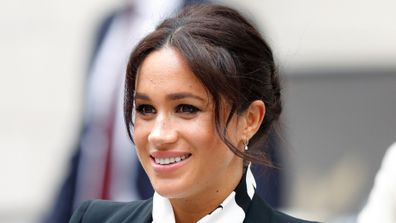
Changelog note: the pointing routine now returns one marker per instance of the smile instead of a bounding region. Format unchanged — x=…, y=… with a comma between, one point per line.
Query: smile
x=171, y=160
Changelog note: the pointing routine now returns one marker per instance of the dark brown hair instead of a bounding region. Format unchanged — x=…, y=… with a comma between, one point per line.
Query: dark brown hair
x=230, y=58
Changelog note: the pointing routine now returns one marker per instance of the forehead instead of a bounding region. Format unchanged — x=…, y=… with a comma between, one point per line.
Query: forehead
x=166, y=71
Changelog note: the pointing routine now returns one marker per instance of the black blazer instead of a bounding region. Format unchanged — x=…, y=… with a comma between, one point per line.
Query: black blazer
x=99, y=211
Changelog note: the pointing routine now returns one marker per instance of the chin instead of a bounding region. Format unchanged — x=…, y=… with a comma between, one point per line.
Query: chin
x=168, y=193
x=170, y=189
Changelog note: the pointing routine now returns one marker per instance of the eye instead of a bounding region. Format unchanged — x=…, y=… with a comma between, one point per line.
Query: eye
x=184, y=108
x=145, y=109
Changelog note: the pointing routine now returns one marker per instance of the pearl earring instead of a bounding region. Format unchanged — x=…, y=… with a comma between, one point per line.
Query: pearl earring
x=246, y=145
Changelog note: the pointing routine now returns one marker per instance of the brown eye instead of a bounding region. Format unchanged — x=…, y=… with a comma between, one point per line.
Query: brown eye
x=184, y=108
x=145, y=109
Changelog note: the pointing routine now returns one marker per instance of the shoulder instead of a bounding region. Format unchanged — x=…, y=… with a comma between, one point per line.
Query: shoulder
x=259, y=211
x=110, y=211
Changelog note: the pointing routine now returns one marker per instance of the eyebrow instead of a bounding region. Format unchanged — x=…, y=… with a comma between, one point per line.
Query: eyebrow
x=174, y=96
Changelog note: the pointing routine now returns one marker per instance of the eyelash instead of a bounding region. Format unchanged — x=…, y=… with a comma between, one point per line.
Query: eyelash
x=142, y=109
x=182, y=108
x=191, y=109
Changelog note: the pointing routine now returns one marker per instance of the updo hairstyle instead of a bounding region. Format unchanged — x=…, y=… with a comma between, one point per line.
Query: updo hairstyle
x=228, y=56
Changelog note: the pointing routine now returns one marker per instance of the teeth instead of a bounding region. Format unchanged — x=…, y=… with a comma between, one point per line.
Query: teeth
x=169, y=160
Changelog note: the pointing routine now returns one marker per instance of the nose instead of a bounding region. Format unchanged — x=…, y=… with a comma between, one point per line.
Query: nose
x=163, y=132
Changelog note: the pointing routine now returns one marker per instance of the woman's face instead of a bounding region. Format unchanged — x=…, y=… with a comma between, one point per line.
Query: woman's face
x=175, y=134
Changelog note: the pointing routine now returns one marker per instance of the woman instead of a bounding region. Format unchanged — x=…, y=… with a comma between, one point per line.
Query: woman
x=200, y=90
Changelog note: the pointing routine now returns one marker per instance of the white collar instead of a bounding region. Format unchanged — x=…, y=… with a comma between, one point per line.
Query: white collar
x=228, y=211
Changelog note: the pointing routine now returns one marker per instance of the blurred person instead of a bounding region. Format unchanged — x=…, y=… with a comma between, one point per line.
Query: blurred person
x=200, y=91
x=381, y=204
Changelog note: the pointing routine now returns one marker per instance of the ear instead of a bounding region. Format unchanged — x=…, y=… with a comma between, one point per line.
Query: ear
x=253, y=117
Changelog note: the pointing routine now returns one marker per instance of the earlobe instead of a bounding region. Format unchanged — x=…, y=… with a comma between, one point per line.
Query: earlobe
x=254, y=116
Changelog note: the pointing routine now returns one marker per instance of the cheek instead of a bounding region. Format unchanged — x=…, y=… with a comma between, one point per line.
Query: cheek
x=140, y=135
x=201, y=130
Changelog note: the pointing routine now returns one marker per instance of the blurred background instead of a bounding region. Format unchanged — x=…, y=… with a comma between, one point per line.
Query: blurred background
x=337, y=58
